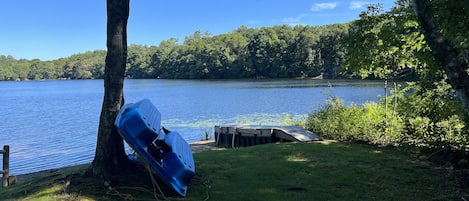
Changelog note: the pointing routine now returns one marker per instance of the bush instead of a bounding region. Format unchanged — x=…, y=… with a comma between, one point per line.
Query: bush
x=447, y=134
x=365, y=123
x=424, y=117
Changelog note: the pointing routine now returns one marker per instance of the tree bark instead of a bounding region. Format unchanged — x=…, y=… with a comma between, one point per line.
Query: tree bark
x=110, y=158
x=448, y=57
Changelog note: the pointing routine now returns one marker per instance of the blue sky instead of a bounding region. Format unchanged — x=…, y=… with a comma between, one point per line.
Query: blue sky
x=51, y=29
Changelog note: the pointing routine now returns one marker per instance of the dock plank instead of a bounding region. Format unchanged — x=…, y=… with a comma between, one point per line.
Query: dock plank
x=282, y=133
x=298, y=133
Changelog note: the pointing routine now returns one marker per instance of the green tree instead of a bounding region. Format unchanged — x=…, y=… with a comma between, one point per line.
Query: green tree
x=88, y=65
x=6, y=68
x=267, y=52
x=138, y=62
x=371, y=44
x=21, y=69
x=330, y=51
x=444, y=24
x=389, y=44
x=262, y=51
x=303, y=52
x=164, y=58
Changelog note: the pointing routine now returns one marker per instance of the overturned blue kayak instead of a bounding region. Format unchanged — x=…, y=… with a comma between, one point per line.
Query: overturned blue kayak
x=166, y=152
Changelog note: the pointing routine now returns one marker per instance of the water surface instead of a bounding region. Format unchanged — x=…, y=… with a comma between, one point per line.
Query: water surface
x=51, y=124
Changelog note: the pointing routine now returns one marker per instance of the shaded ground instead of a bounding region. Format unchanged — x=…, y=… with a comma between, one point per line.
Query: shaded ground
x=196, y=148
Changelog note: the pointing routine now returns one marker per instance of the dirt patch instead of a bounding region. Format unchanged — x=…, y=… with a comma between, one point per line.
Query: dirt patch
x=203, y=145
x=297, y=189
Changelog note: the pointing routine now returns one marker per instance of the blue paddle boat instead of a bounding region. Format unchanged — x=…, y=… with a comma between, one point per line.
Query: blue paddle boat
x=166, y=152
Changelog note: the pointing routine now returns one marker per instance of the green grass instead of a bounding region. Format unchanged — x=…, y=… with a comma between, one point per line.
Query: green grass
x=49, y=186
x=287, y=171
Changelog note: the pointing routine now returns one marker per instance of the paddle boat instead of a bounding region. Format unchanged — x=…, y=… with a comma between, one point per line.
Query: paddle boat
x=166, y=152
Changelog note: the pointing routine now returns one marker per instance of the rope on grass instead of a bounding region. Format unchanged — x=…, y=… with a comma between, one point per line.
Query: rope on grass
x=128, y=196
x=206, y=184
x=136, y=189
x=155, y=185
x=114, y=192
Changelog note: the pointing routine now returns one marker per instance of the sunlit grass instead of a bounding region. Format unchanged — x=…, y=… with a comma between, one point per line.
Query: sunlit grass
x=287, y=172
x=319, y=171
x=297, y=158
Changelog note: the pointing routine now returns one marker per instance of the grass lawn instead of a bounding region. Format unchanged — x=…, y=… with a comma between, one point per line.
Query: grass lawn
x=287, y=171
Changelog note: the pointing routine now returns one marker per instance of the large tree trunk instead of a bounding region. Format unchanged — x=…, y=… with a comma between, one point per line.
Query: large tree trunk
x=110, y=158
x=444, y=52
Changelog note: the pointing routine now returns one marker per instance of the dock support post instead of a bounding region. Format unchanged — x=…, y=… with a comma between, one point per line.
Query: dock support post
x=6, y=165
x=233, y=139
x=217, y=134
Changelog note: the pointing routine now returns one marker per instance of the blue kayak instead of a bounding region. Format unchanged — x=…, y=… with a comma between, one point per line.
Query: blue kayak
x=166, y=152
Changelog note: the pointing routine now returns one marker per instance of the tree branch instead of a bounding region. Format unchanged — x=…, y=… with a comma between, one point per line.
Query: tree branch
x=448, y=57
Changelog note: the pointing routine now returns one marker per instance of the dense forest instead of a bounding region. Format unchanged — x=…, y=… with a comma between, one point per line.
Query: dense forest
x=269, y=52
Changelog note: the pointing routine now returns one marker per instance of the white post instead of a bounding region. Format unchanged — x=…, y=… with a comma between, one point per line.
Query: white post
x=233, y=140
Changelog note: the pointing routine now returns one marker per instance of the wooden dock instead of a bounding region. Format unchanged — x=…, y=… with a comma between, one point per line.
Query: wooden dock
x=239, y=135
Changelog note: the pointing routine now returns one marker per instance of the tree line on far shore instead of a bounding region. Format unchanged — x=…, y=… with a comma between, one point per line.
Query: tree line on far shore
x=269, y=52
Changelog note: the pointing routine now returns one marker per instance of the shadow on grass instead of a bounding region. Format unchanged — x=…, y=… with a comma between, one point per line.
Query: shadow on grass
x=71, y=184
x=286, y=171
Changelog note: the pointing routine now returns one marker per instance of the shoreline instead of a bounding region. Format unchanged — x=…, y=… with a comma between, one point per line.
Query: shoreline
x=196, y=147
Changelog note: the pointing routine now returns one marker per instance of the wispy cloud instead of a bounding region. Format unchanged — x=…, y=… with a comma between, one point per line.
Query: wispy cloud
x=293, y=20
x=354, y=5
x=323, y=6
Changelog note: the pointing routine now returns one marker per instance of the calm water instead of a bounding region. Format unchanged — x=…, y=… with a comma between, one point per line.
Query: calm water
x=51, y=124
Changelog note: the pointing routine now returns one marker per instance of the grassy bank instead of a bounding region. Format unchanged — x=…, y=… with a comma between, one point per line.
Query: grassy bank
x=288, y=171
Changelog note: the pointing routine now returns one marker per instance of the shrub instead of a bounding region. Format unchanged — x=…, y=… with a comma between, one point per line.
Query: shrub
x=424, y=117
x=365, y=123
x=448, y=134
